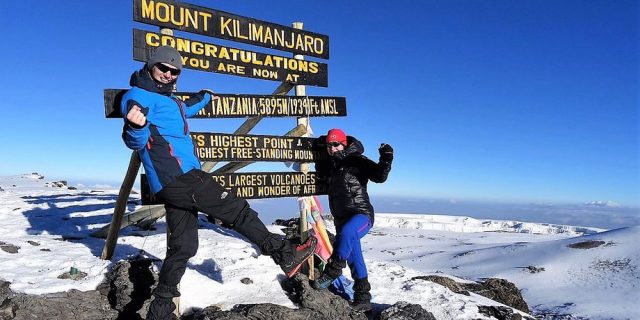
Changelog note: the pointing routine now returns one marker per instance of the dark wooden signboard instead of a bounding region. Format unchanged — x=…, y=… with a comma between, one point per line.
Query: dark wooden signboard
x=247, y=105
x=237, y=147
x=259, y=185
x=210, y=57
x=224, y=25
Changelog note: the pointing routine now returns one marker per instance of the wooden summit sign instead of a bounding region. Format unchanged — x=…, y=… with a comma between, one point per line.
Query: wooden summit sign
x=235, y=147
x=259, y=185
x=210, y=57
x=224, y=25
x=247, y=105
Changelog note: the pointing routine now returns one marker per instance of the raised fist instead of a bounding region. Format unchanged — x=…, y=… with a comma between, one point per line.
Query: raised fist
x=136, y=116
x=386, y=152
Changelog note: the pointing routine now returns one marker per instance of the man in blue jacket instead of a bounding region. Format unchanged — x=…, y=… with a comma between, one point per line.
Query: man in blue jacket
x=156, y=127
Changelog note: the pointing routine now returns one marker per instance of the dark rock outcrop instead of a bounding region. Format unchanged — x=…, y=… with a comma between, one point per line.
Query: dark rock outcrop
x=501, y=313
x=128, y=288
x=499, y=290
x=8, y=247
x=406, y=311
x=73, y=304
x=586, y=244
x=325, y=303
x=126, y=292
x=502, y=291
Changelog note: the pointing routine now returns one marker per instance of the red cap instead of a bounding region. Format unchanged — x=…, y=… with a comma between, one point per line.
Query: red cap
x=337, y=135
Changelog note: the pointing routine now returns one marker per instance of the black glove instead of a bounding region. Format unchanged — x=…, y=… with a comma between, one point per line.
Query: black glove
x=386, y=152
x=339, y=154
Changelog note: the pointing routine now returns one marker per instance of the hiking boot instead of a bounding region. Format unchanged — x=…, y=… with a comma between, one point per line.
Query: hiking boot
x=361, y=295
x=161, y=309
x=362, y=306
x=292, y=262
x=331, y=272
x=323, y=282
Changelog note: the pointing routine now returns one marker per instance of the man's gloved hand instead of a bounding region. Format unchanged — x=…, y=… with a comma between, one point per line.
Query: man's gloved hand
x=386, y=152
x=209, y=91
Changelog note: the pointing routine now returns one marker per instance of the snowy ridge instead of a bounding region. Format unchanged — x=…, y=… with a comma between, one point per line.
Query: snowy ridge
x=564, y=272
x=468, y=224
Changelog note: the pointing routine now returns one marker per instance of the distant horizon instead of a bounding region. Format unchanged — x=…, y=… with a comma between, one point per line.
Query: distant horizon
x=588, y=214
x=378, y=191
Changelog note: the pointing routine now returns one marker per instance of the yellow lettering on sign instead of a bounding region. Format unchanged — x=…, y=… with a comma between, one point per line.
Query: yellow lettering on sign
x=263, y=73
x=245, y=192
x=178, y=16
x=292, y=77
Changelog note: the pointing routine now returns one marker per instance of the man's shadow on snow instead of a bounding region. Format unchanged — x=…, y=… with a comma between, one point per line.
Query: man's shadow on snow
x=58, y=215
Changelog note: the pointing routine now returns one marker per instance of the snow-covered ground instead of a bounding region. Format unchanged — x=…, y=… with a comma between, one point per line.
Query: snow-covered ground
x=51, y=224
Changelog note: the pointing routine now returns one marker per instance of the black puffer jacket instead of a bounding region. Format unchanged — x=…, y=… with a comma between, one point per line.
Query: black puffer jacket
x=348, y=175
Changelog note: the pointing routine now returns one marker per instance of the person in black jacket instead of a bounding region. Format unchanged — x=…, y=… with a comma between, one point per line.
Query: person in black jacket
x=348, y=172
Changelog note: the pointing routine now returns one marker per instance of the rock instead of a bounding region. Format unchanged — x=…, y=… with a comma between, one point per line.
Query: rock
x=1, y=189
x=211, y=312
x=446, y=282
x=533, y=269
x=75, y=275
x=586, y=244
x=72, y=188
x=269, y=311
x=74, y=304
x=8, y=247
x=246, y=281
x=406, y=311
x=501, y=313
x=57, y=184
x=128, y=287
x=499, y=290
x=326, y=304
x=33, y=243
x=7, y=309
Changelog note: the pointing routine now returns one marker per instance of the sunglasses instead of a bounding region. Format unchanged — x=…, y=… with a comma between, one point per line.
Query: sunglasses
x=163, y=68
x=333, y=144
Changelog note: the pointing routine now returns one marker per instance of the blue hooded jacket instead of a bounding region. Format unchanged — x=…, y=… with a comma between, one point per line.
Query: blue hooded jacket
x=163, y=143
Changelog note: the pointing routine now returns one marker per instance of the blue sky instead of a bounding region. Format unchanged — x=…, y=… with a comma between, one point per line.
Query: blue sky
x=506, y=101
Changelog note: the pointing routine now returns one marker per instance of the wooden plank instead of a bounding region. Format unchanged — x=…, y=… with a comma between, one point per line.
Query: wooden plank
x=204, y=56
x=219, y=24
x=147, y=213
x=261, y=185
x=235, y=166
x=247, y=105
x=234, y=147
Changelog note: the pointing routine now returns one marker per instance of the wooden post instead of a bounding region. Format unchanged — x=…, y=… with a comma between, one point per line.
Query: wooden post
x=300, y=90
x=121, y=203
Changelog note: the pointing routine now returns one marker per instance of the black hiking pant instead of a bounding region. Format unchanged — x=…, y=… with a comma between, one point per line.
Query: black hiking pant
x=196, y=191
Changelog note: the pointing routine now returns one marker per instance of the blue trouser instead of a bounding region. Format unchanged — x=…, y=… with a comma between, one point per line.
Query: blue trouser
x=348, y=247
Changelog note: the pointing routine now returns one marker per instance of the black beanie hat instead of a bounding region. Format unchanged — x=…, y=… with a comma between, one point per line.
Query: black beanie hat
x=165, y=54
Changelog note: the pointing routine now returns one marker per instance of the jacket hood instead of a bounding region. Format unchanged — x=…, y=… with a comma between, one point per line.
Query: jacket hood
x=142, y=79
x=354, y=146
